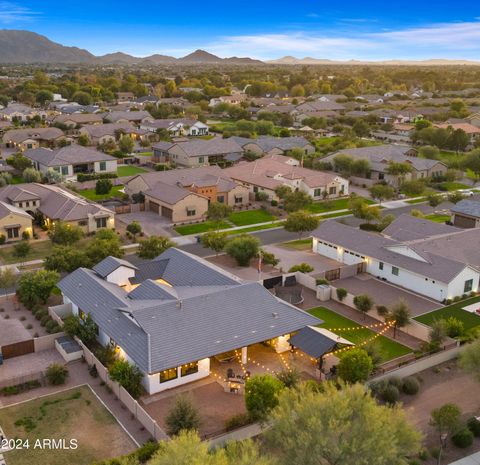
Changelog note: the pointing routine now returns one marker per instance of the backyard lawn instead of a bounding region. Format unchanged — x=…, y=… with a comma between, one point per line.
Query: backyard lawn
x=129, y=170
x=388, y=348
x=469, y=320
x=91, y=195
x=74, y=414
x=250, y=217
x=198, y=228
x=300, y=244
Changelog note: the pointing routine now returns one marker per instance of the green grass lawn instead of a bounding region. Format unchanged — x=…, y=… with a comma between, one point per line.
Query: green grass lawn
x=16, y=179
x=276, y=224
x=39, y=250
x=438, y=218
x=145, y=154
x=419, y=200
x=198, y=228
x=300, y=244
x=388, y=348
x=91, y=195
x=250, y=217
x=331, y=205
x=129, y=170
x=74, y=414
x=454, y=186
x=469, y=320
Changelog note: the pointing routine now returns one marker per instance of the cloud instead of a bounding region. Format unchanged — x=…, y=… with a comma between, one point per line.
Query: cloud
x=443, y=40
x=13, y=13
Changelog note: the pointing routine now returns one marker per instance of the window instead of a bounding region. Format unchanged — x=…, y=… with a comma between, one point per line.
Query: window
x=189, y=369
x=82, y=223
x=381, y=176
x=64, y=170
x=220, y=199
x=201, y=159
x=238, y=199
x=332, y=190
x=395, y=270
x=34, y=203
x=191, y=212
x=101, y=222
x=168, y=375
x=103, y=166
x=380, y=265
x=13, y=233
x=317, y=192
x=27, y=203
x=20, y=204
x=468, y=286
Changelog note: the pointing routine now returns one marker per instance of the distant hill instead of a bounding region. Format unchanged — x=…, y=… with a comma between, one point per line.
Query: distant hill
x=29, y=47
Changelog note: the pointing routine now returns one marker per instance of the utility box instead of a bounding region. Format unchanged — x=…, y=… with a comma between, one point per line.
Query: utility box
x=324, y=292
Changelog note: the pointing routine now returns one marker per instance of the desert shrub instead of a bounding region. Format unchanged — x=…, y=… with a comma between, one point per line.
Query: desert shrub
x=410, y=386
x=474, y=426
x=341, y=293
x=57, y=374
x=463, y=438
x=390, y=394
x=237, y=421
x=182, y=416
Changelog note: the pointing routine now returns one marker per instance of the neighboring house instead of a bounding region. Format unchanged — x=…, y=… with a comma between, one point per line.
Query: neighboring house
x=123, y=97
x=21, y=112
x=72, y=160
x=380, y=156
x=101, y=133
x=184, y=194
x=128, y=116
x=319, y=105
x=472, y=131
x=197, y=152
x=414, y=253
x=236, y=99
x=78, y=119
x=14, y=222
x=177, y=126
x=466, y=214
x=32, y=138
x=52, y=203
x=272, y=171
x=268, y=145
x=170, y=316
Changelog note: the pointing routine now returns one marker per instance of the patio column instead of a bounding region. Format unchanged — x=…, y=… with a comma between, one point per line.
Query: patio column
x=244, y=355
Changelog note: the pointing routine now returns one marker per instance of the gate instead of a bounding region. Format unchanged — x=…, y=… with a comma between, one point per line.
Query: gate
x=272, y=282
x=18, y=348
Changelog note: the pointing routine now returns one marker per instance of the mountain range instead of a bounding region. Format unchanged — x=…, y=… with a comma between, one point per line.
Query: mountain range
x=26, y=47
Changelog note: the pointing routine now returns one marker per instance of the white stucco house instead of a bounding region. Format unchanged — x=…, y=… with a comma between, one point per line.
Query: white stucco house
x=169, y=316
x=431, y=259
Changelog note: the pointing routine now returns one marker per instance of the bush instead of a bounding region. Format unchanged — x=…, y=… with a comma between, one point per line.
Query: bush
x=390, y=394
x=82, y=177
x=302, y=268
x=463, y=438
x=237, y=421
x=261, y=196
x=261, y=393
x=3, y=239
x=57, y=374
x=355, y=366
x=341, y=293
x=274, y=203
x=474, y=426
x=182, y=416
x=454, y=327
x=103, y=186
x=290, y=378
x=410, y=386
x=243, y=248
x=128, y=376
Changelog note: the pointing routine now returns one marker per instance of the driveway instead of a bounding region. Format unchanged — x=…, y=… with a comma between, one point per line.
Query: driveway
x=386, y=294
x=152, y=223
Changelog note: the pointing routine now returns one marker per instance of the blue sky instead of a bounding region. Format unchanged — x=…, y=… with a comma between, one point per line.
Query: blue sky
x=264, y=29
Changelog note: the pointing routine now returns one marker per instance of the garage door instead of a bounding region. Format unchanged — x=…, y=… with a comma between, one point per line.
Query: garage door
x=464, y=222
x=154, y=207
x=18, y=348
x=167, y=212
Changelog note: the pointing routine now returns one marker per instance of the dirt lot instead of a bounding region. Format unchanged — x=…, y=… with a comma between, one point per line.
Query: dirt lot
x=440, y=385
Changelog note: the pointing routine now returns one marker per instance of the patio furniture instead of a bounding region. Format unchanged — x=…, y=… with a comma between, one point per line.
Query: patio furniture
x=225, y=357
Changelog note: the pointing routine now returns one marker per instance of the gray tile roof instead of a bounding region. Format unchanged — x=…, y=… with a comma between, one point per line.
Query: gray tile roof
x=407, y=227
x=201, y=147
x=109, y=265
x=137, y=116
x=435, y=266
x=467, y=207
x=68, y=155
x=20, y=135
x=206, y=312
x=267, y=143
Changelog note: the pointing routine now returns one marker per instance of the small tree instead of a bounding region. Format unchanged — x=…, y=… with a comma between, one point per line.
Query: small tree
x=128, y=376
x=243, y=248
x=470, y=359
x=268, y=258
x=382, y=192
x=455, y=197
x=218, y=211
x=400, y=316
x=56, y=374
x=31, y=175
x=8, y=278
x=261, y=393
x=434, y=199
x=183, y=416
x=83, y=140
x=437, y=333
x=301, y=222
x=363, y=303
x=22, y=249
x=341, y=293
x=105, y=242
x=214, y=240
x=103, y=186
x=134, y=228
x=446, y=420
x=36, y=286
x=126, y=144
x=355, y=366
x=296, y=200
x=65, y=233
x=153, y=246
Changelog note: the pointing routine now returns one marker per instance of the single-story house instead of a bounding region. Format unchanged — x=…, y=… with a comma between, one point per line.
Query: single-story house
x=197, y=152
x=171, y=315
x=272, y=171
x=466, y=214
x=177, y=126
x=101, y=133
x=380, y=157
x=51, y=203
x=125, y=97
x=268, y=145
x=14, y=222
x=319, y=105
x=128, y=116
x=184, y=194
x=78, y=119
x=472, y=131
x=414, y=253
x=21, y=112
x=32, y=138
x=71, y=160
